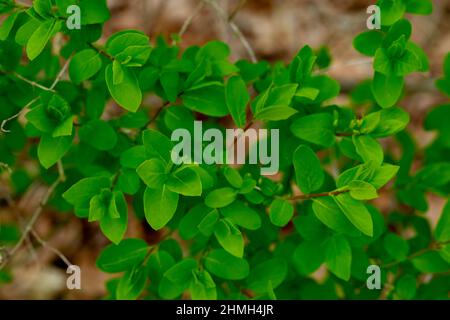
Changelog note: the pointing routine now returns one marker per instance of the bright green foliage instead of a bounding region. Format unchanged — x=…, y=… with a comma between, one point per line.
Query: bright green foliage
x=219, y=231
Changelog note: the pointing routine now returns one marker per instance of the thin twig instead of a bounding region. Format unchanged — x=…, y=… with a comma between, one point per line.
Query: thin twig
x=234, y=28
x=318, y=195
x=433, y=247
x=51, y=89
x=101, y=51
x=4, y=122
x=33, y=83
x=53, y=249
x=189, y=20
x=36, y=214
x=61, y=72
x=239, y=6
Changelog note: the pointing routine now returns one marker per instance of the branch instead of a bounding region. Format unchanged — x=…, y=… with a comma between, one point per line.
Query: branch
x=318, y=195
x=239, y=6
x=62, y=71
x=33, y=83
x=51, y=89
x=103, y=53
x=28, y=228
x=433, y=247
x=53, y=249
x=4, y=122
x=235, y=29
x=189, y=20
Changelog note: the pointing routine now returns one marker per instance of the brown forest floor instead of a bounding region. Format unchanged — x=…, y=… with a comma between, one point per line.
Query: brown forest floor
x=275, y=29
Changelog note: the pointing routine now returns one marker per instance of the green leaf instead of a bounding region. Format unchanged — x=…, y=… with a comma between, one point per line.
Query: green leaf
x=430, y=262
x=356, y=212
x=307, y=94
x=127, y=94
x=237, y=98
x=361, y=190
x=391, y=121
x=423, y=7
x=404, y=62
x=128, y=182
x=308, y=171
x=309, y=256
x=159, y=206
x=442, y=231
x=177, y=279
x=302, y=65
x=233, y=177
x=114, y=228
x=208, y=223
x=84, y=65
x=64, y=128
x=369, y=149
x=39, y=118
x=215, y=49
x=368, y=42
x=229, y=237
x=339, y=257
x=43, y=7
x=434, y=175
x=186, y=182
x=93, y=11
x=275, y=113
x=220, y=198
x=122, y=257
x=158, y=263
x=7, y=26
x=81, y=192
x=203, y=287
x=281, y=212
x=226, y=266
x=405, y=287
x=273, y=272
x=421, y=56
x=153, y=173
x=132, y=283
x=118, y=72
x=387, y=89
x=188, y=227
x=261, y=100
x=51, y=150
x=330, y=214
x=242, y=215
x=396, y=246
x=281, y=95
x=99, y=205
x=40, y=37
x=316, y=128
x=437, y=118
x=133, y=157
x=208, y=100
x=391, y=11
x=328, y=88
x=170, y=83
x=157, y=145
x=383, y=175
x=99, y=134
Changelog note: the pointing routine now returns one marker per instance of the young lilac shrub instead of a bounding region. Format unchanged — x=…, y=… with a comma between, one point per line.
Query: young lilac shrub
x=220, y=226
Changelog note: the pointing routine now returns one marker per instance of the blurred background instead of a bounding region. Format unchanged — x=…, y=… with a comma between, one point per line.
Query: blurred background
x=275, y=30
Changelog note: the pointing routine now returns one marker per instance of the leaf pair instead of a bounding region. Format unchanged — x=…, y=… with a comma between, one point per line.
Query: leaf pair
x=128, y=49
x=94, y=196
x=163, y=186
